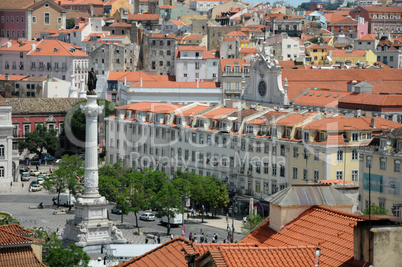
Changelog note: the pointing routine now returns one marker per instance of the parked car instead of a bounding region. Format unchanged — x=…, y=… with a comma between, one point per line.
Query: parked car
x=147, y=216
x=41, y=180
x=34, y=172
x=36, y=187
x=25, y=176
x=35, y=184
x=116, y=210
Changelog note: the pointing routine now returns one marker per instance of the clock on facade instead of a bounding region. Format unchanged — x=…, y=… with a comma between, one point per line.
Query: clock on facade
x=262, y=88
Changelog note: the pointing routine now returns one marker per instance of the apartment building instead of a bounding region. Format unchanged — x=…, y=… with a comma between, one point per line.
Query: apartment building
x=46, y=57
x=257, y=152
x=158, y=53
x=380, y=165
x=233, y=74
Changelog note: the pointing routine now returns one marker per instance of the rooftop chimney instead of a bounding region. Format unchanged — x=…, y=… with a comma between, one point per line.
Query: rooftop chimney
x=59, y=3
x=8, y=44
x=33, y=47
x=198, y=83
x=141, y=82
x=372, y=124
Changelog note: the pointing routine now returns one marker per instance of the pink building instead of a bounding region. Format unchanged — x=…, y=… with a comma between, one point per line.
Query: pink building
x=27, y=19
x=45, y=57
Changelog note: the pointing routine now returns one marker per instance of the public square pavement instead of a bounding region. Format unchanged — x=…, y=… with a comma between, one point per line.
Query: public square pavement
x=17, y=201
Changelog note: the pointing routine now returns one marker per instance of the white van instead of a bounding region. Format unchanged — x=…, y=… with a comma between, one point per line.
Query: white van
x=65, y=199
x=174, y=220
x=25, y=176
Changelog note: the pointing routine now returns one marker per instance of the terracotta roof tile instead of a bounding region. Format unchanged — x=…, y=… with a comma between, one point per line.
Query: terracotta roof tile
x=16, y=229
x=368, y=37
x=327, y=228
x=294, y=118
x=9, y=239
x=356, y=123
x=236, y=34
x=321, y=98
x=155, y=107
x=131, y=76
x=347, y=53
x=233, y=62
x=49, y=47
x=169, y=254
x=218, y=113
x=374, y=100
x=12, y=77
x=40, y=105
x=19, y=257
x=143, y=17
x=174, y=84
x=15, y=46
x=193, y=111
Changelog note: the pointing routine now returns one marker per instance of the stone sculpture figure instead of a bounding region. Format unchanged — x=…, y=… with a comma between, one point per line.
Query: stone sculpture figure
x=91, y=80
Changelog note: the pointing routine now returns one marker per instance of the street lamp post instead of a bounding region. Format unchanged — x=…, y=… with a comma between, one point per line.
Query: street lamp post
x=233, y=212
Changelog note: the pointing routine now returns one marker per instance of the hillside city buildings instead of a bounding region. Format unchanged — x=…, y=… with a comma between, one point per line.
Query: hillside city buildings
x=264, y=96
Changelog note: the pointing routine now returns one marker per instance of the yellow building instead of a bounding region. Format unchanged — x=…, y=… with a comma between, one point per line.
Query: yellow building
x=327, y=148
x=354, y=56
x=380, y=165
x=316, y=54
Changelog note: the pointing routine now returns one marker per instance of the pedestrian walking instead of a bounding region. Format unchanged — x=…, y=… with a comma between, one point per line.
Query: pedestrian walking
x=227, y=226
x=190, y=237
x=202, y=238
x=146, y=240
x=30, y=189
x=227, y=217
x=231, y=239
x=233, y=228
x=37, y=167
x=206, y=239
x=213, y=239
x=50, y=169
x=195, y=238
x=159, y=239
x=11, y=185
x=171, y=237
x=216, y=238
x=154, y=239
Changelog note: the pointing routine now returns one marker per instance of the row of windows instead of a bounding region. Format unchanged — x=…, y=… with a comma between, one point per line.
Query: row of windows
x=161, y=43
x=383, y=164
x=161, y=53
x=46, y=19
x=48, y=66
x=11, y=19
x=12, y=33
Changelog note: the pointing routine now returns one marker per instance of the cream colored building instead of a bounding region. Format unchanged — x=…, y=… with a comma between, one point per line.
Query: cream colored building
x=380, y=163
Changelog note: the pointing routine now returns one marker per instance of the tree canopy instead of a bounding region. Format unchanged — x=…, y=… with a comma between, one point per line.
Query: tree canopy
x=40, y=139
x=69, y=176
x=375, y=210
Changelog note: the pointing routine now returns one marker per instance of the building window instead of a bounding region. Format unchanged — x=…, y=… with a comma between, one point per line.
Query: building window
x=58, y=20
x=355, y=155
x=339, y=155
x=282, y=171
x=47, y=18
x=305, y=174
x=266, y=169
x=316, y=154
x=1, y=172
x=339, y=175
x=397, y=165
x=2, y=152
x=355, y=137
x=316, y=175
x=295, y=152
x=355, y=175
x=294, y=173
x=383, y=164
x=273, y=169
x=27, y=129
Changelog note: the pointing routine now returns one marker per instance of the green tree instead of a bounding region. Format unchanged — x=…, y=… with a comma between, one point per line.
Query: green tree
x=41, y=138
x=8, y=220
x=70, y=23
x=304, y=6
x=76, y=121
x=68, y=176
x=51, y=241
x=66, y=257
x=252, y=222
x=167, y=201
x=375, y=210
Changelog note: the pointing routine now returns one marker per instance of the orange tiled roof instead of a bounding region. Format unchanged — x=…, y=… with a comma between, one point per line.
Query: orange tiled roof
x=143, y=17
x=348, y=53
x=16, y=229
x=321, y=98
x=174, y=84
x=194, y=110
x=156, y=107
x=169, y=254
x=177, y=22
x=191, y=48
x=368, y=37
x=379, y=9
x=264, y=256
x=355, y=123
x=383, y=80
x=120, y=24
x=48, y=47
x=194, y=37
x=226, y=39
x=12, y=77
x=218, y=113
x=19, y=256
x=325, y=46
x=294, y=118
x=248, y=50
x=9, y=239
x=236, y=34
x=373, y=100
x=327, y=228
x=166, y=7
x=15, y=46
x=130, y=76
x=232, y=62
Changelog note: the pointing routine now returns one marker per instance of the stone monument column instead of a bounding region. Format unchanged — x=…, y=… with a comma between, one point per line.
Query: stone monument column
x=91, y=111
x=90, y=227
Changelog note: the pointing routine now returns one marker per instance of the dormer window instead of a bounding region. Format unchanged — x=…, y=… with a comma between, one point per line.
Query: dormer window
x=355, y=137
x=250, y=129
x=322, y=136
x=200, y=123
x=228, y=68
x=306, y=136
x=179, y=121
x=399, y=146
x=287, y=133
x=383, y=144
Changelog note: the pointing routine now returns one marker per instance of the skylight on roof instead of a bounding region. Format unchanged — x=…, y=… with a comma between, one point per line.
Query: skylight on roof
x=319, y=95
x=335, y=96
x=328, y=95
x=311, y=94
